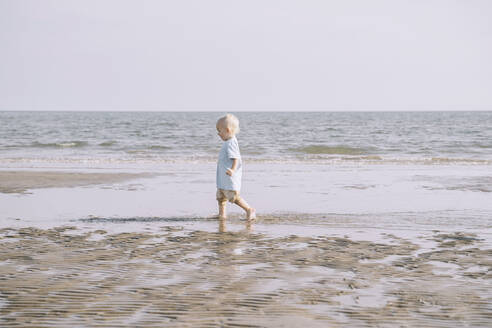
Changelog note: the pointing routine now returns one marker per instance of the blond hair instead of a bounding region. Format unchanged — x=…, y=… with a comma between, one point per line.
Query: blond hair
x=231, y=122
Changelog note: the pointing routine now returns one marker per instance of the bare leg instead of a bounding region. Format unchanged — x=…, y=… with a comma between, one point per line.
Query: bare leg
x=250, y=212
x=222, y=210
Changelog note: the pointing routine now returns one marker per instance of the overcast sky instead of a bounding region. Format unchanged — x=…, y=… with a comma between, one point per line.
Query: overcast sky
x=245, y=55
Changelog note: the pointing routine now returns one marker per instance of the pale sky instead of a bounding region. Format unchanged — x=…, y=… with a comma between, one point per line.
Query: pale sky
x=245, y=55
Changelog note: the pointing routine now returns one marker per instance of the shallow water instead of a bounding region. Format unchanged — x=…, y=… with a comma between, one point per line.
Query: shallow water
x=411, y=196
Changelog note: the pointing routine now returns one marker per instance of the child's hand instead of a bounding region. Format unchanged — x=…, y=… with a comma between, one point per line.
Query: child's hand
x=231, y=171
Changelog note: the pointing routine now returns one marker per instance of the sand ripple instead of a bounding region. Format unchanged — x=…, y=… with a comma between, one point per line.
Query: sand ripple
x=64, y=278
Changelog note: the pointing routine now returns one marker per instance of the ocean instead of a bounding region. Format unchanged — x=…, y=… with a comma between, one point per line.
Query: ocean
x=428, y=167
x=330, y=138
x=364, y=219
x=434, y=168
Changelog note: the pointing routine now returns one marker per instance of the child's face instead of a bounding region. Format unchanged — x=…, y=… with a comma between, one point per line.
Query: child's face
x=223, y=131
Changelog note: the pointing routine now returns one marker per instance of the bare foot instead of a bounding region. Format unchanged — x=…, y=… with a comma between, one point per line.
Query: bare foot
x=251, y=214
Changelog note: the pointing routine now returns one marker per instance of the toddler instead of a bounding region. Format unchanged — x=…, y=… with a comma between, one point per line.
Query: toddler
x=229, y=168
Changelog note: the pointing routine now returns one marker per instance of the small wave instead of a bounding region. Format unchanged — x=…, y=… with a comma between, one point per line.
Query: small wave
x=157, y=147
x=107, y=143
x=142, y=157
x=363, y=158
x=63, y=144
x=147, y=149
x=330, y=150
x=451, y=160
x=136, y=151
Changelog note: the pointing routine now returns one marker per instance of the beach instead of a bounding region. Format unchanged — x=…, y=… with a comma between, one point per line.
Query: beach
x=171, y=276
x=120, y=229
x=117, y=260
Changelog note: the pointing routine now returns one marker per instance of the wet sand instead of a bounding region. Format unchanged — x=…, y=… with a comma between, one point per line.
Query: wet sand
x=22, y=181
x=66, y=277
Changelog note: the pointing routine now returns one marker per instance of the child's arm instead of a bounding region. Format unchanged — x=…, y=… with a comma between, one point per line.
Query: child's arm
x=233, y=168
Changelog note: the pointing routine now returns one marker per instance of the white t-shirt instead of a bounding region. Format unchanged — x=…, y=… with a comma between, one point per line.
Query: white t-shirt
x=228, y=152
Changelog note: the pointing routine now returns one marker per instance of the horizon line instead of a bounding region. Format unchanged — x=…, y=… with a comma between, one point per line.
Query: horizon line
x=246, y=111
